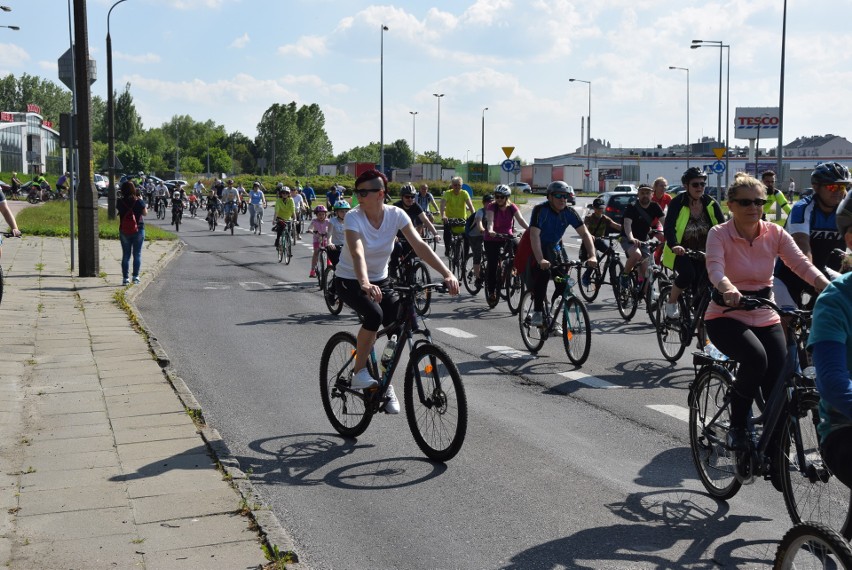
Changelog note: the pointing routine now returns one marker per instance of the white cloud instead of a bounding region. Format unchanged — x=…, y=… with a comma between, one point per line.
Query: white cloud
x=306, y=46
x=240, y=42
x=141, y=58
x=13, y=56
x=485, y=12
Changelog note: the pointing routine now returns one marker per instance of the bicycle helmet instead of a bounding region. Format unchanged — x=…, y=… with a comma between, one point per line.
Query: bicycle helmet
x=502, y=190
x=557, y=186
x=598, y=203
x=830, y=173
x=342, y=205
x=843, y=217
x=691, y=174
x=487, y=199
x=176, y=195
x=407, y=190
x=319, y=209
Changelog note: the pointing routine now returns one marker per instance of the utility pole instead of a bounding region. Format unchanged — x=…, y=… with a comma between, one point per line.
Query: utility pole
x=87, y=204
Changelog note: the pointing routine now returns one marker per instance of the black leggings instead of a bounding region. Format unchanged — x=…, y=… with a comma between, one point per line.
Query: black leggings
x=374, y=314
x=688, y=270
x=760, y=352
x=837, y=452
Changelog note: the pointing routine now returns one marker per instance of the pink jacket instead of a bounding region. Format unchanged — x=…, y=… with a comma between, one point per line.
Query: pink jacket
x=749, y=266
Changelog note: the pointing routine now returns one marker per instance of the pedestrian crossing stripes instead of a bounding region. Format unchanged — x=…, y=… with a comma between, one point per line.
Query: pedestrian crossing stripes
x=590, y=381
x=677, y=412
x=458, y=333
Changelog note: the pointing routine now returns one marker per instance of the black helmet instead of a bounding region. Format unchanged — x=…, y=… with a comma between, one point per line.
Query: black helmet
x=691, y=174
x=407, y=190
x=598, y=203
x=843, y=217
x=502, y=190
x=487, y=198
x=556, y=186
x=830, y=173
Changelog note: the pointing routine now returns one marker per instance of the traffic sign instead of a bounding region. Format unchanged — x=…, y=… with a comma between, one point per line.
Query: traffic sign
x=508, y=165
x=718, y=167
x=587, y=173
x=719, y=151
x=508, y=150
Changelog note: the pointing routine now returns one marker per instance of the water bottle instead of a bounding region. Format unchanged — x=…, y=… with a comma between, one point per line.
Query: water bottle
x=387, y=355
x=713, y=352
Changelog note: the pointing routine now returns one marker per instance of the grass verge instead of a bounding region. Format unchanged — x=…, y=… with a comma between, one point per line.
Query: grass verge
x=53, y=219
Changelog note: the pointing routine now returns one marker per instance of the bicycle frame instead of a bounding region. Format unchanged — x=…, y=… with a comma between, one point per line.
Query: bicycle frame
x=564, y=276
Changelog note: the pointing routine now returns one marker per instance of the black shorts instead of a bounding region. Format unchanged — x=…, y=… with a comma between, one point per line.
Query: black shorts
x=374, y=314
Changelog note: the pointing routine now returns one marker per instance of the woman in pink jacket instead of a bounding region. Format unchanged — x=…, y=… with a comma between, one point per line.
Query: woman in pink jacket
x=741, y=254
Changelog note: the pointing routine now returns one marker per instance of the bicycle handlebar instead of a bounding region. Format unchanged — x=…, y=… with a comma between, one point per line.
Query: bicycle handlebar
x=455, y=221
x=11, y=234
x=750, y=303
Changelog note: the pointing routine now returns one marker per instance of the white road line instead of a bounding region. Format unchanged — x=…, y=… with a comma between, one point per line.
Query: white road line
x=458, y=333
x=511, y=352
x=591, y=381
x=677, y=412
x=253, y=285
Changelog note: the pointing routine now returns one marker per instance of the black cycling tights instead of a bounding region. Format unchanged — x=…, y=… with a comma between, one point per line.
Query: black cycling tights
x=760, y=352
x=374, y=314
x=837, y=452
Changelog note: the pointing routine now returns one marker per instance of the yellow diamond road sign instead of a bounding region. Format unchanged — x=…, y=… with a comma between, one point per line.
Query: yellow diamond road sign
x=507, y=150
x=719, y=152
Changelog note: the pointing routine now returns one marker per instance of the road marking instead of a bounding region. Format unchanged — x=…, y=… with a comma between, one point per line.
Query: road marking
x=458, y=333
x=511, y=352
x=216, y=285
x=253, y=285
x=591, y=381
x=677, y=412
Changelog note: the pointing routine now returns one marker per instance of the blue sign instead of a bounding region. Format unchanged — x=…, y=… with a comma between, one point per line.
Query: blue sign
x=718, y=167
x=508, y=165
x=468, y=189
x=517, y=166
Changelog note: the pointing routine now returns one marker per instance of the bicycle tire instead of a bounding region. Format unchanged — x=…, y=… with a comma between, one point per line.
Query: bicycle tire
x=532, y=337
x=322, y=263
x=288, y=251
x=671, y=337
x=439, y=423
x=243, y=207
x=616, y=268
x=590, y=292
x=812, y=545
x=280, y=249
x=652, y=297
x=715, y=463
x=470, y=281
x=457, y=259
x=423, y=299
x=576, y=337
x=514, y=287
x=347, y=412
x=1, y=283
x=332, y=299
x=177, y=222
x=626, y=299
x=811, y=492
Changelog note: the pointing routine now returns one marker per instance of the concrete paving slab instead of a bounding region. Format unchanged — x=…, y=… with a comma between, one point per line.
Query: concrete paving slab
x=196, y=532
x=94, y=459
x=129, y=389
x=229, y=555
x=98, y=553
x=66, y=478
x=75, y=419
x=160, y=433
x=150, y=420
x=171, y=482
x=161, y=449
x=70, y=432
x=158, y=508
x=77, y=524
x=140, y=406
x=72, y=499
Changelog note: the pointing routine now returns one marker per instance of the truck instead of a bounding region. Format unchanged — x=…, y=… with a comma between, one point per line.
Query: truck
x=572, y=175
x=541, y=176
x=356, y=169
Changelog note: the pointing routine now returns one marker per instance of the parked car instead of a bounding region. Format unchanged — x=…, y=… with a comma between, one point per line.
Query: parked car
x=631, y=188
x=616, y=204
x=102, y=184
x=170, y=184
x=713, y=191
x=520, y=187
x=675, y=189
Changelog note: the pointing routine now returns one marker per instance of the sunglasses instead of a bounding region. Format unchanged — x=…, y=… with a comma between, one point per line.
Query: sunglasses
x=835, y=187
x=501, y=197
x=698, y=184
x=364, y=193
x=409, y=197
x=745, y=202
x=560, y=196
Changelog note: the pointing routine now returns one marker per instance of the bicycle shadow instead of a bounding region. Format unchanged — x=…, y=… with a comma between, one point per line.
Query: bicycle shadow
x=653, y=373
x=301, y=319
x=619, y=326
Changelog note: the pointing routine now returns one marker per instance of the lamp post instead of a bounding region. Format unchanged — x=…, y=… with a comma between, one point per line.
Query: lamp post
x=16, y=28
x=382, y=101
x=5, y=8
x=688, y=153
x=588, y=133
x=780, y=148
x=718, y=43
x=484, y=172
x=110, y=122
x=438, y=150
x=413, y=133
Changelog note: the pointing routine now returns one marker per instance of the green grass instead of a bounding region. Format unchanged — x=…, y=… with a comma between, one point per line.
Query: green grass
x=52, y=219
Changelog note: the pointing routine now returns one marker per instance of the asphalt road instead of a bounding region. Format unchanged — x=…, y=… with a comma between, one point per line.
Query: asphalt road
x=561, y=467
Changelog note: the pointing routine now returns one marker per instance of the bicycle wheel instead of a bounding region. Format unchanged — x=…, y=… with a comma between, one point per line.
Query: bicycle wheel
x=715, y=463
x=576, y=331
x=589, y=292
x=332, y=300
x=288, y=251
x=532, y=336
x=1, y=283
x=626, y=299
x=424, y=298
x=458, y=259
x=322, y=263
x=231, y=222
x=470, y=282
x=652, y=297
x=280, y=249
x=811, y=491
x=345, y=409
x=514, y=287
x=671, y=336
x=177, y=222
x=616, y=268
x=813, y=545
x=435, y=402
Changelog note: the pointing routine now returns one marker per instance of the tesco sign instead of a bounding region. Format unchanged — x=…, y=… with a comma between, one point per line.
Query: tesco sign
x=749, y=121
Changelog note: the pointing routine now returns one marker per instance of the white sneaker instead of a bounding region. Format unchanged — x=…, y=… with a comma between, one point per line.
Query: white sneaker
x=557, y=329
x=362, y=380
x=672, y=311
x=392, y=407
x=536, y=319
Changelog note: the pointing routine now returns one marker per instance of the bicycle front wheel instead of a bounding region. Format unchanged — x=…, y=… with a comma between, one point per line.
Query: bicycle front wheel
x=813, y=545
x=424, y=298
x=470, y=282
x=589, y=292
x=576, y=331
x=288, y=251
x=514, y=288
x=709, y=420
x=345, y=409
x=626, y=299
x=435, y=403
x=532, y=336
x=332, y=299
x=671, y=334
x=811, y=491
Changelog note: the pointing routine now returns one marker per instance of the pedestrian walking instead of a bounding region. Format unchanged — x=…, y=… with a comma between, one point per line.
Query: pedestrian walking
x=131, y=212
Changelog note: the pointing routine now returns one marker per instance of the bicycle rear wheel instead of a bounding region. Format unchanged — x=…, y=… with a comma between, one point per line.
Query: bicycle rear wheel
x=532, y=336
x=470, y=282
x=435, y=402
x=280, y=249
x=1, y=283
x=345, y=409
x=813, y=545
x=576, y=331
x=424, y=298
x=626, y=299
x=332, y=300
x=672, y=336
x=715, y=463
x=589, y=292
x=514, y=289
x=457, y=263
x=811, y=491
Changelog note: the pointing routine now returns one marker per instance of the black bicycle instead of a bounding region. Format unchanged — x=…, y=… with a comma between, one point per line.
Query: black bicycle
x=472, y=283
x=647, y=289
x=284, y=248
x=787, y=446
x=434, y=396
x=409, y=271
x=609, y=267
x=456, y=248
x=329, y=291
x=674, y=335
x=508, y=284
x=813, y=545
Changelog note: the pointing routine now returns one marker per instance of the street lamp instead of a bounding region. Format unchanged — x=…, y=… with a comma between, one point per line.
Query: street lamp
x=5, y=8
x=438, y=150
x=483, y=143
x=382, y=100
x=718, y=43
x=413, y=133
x=16, y=28
x=780, y=148
x=686, y=69
x=588, y=132
x=110, y=122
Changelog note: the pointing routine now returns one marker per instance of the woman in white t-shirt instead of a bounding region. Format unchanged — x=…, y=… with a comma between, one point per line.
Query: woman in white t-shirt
x=362, y=273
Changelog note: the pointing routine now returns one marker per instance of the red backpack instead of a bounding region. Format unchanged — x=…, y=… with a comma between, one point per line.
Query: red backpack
x=128, y=224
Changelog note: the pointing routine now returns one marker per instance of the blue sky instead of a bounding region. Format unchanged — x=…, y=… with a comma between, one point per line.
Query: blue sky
x=228, y=60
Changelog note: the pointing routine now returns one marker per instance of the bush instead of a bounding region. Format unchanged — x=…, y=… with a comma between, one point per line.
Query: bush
x=53, y=219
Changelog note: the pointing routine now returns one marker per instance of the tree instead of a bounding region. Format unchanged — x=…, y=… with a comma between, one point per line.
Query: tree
x=398, y=154
x=128, y=124
x=191, y=165
x=134, y=158
x=369, y=153
x=99, y=120
x=292, y=139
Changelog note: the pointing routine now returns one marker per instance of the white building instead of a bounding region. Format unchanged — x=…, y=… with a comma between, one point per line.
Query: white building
x=29, y=144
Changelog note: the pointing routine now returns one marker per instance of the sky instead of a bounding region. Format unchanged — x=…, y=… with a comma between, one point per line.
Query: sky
x=229, y=60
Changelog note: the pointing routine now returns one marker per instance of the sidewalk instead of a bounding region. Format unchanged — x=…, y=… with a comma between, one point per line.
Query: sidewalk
x=101, y=465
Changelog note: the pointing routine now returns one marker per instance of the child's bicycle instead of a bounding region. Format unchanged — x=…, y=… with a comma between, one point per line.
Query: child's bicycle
x=435, y=401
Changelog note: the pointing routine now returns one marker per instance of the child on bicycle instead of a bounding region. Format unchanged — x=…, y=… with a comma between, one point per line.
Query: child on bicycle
x=320, y=227
x=338, y=237
x=285, y=211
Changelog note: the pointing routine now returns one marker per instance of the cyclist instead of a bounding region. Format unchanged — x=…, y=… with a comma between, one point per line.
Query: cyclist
x=9, y=216
x=812, y=223
x=548, y=222
x=333, y=196
x=640, y=219
x=16, y=185
x=257, y=202
x=831, y=340
x=299, y=202
x=474, y=237
x=338, y=235
x=455, y=203
x=690, y=216
x=285, y=211
x=230, y=196
x=309, y=195
x=417, y=216
x=598, y=224
x=318, y=226
x=214, y=204
x=774, y=197
x=63, y=183
x=362, y=274
x=740, y=255
x=500, y=218
x=161, y=196
x=426, y=202
x=177, y=205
